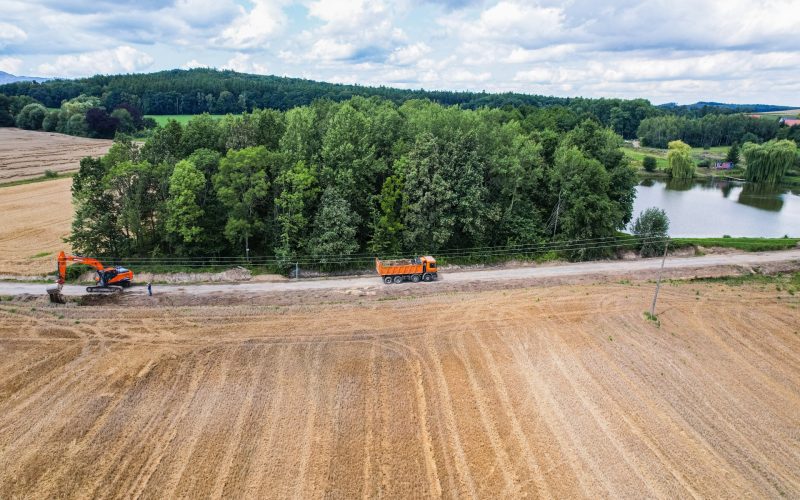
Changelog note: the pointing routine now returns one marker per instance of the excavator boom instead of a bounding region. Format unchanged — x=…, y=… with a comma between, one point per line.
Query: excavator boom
x=109, y=279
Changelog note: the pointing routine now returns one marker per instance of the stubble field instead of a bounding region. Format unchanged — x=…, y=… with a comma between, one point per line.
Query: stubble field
x=544, y=392
x=25, y=154
x=35, y=219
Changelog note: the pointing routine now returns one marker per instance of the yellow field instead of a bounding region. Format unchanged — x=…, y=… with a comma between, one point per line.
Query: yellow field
x=36, y=218
x=28, y=153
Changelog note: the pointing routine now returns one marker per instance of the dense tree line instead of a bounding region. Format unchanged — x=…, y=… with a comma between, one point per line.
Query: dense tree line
x=365, y=175
x=220, y=92
x=82, y=116
x=710, y=130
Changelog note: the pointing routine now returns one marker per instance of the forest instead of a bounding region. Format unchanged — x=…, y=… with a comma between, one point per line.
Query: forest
x=366, y=175
x=196, y=91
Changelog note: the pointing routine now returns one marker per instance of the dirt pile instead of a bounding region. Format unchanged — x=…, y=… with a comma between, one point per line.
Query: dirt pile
x=556, y=391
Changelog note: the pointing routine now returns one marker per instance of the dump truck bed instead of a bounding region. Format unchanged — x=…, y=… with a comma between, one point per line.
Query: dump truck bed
x=394, y=267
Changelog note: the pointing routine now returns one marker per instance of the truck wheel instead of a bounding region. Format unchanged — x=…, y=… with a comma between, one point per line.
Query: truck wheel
x=415, y=278
x=387, y=280
x=426, y=277
x=398, y=280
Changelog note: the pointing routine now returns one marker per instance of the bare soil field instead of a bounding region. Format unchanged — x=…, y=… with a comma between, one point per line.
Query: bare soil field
x=27, y=153
x=549, y=391
x=35, y=218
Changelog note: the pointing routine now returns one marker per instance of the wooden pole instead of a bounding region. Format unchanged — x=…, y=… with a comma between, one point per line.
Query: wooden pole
x=658, y=281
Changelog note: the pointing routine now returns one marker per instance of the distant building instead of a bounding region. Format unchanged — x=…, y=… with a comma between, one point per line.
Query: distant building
x=723, y=165
x=790, y=122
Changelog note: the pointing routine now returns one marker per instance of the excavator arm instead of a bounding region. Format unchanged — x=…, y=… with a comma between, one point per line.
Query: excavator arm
x=109, y=279
x=64, y=258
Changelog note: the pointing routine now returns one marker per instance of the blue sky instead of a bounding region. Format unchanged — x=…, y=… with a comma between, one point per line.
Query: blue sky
x=677, y=50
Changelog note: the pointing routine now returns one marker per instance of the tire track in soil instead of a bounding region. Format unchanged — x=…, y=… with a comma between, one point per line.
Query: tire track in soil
x=465, y=483
x=522, y=443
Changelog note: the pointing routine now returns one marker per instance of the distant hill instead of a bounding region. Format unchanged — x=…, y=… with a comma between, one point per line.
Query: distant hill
x=9, y=78
x=739, y=108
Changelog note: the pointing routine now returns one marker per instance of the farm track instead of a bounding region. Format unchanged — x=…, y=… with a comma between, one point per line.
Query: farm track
x=543, y=392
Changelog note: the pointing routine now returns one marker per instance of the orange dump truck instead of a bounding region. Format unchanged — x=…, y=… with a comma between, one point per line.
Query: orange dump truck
x=414, y=270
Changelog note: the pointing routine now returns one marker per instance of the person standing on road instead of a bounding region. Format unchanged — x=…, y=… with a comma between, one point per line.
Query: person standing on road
x=149, y=289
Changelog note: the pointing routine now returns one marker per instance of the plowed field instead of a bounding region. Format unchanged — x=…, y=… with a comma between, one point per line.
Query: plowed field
x=28, y=153
x=35, y=219
x=554, y=392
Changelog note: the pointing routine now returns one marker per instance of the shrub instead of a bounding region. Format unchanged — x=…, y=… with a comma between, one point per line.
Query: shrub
x=649, y=164
x=651, y=228
x=31, y=117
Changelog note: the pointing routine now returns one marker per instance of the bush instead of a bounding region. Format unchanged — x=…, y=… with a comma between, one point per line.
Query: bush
x=31, y=117
x=651, y=228
x=649, y=164
x=50, y=174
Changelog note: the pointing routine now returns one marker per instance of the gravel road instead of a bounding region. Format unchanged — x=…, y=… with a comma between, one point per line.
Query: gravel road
x=547, y=271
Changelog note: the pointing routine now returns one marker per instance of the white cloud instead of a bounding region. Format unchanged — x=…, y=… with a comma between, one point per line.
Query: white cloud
x=194, y=63
x=462, y=75
x=409, y=54
x=254, y=28
x=344, y=15
x=123, y=59
x=11, y=65
x=11, y=34
x=523, y=23
x=243, y=63
x=327, y=49
x=553, y=52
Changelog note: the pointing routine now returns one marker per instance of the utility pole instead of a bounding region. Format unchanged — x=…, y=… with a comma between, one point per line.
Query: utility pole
x=558, y=209
x=297, y=270
x=658, y=281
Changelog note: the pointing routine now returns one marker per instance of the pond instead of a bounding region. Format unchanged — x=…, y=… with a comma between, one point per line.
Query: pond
x=716, y=207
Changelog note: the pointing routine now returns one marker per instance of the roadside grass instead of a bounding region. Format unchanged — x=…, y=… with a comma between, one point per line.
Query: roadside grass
x=40, y=255
x=182, y=119
x=746, y=244
x=365, y=266
x=787, y=281
x=49, y=175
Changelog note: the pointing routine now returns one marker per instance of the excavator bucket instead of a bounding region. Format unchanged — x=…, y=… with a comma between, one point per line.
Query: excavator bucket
x=56, y=297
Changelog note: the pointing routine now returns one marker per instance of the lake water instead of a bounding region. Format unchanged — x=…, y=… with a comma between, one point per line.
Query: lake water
x=717, y=207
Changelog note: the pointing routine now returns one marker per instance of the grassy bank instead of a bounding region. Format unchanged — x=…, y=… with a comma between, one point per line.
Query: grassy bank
x=46, y=177
x=366, y=265
x=182, y=119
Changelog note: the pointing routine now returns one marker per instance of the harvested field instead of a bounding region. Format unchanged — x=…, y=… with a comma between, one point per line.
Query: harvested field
x=556, y=391
x=35, y=219
x=27, y=153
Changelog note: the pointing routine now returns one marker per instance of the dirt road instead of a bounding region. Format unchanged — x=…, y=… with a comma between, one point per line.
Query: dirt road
x=627, y=267
x=540, y=392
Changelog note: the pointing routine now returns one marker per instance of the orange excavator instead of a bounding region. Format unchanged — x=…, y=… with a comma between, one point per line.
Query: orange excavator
x=110, y=279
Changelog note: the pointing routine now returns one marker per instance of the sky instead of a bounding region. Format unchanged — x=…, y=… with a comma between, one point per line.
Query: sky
x=740, y=51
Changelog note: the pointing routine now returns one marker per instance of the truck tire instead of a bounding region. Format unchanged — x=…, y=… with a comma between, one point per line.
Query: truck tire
x=415, y=278
x=398, y=280
x=387, y=280
x=427, y=277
